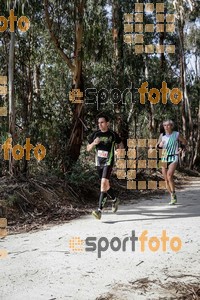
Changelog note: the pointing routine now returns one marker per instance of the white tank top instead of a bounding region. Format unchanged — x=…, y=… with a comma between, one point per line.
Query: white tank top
x=170, y=144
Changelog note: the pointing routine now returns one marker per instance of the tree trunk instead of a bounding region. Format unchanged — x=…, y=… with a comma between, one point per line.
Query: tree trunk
x=76, y=132
x=197, y=145
x=151, y=106
x=162, y=55
x=76, y=137
x=122, y=126
x=11, y=96
x=186, y=109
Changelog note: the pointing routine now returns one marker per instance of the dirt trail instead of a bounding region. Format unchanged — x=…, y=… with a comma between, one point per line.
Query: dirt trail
x=40, y=265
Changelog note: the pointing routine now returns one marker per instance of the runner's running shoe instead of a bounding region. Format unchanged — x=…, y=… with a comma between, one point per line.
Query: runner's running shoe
x=173, y=199
x=104, y=201
x=96, y=214
x=115, y=205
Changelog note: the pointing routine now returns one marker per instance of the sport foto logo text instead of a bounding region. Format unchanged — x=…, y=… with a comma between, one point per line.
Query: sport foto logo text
x=18, y=151
x=23, y=22
x=3, y=92
x=102, y=244
x=135, y=27
x=3, y=234
x=100, y=97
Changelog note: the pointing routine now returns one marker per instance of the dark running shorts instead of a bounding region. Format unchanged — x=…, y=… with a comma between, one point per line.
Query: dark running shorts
x=169, y=163
x=174, y=161
x=104, y=172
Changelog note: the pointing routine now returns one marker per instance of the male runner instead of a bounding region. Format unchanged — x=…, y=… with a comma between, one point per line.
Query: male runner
x=169, y=141
x=104, y=141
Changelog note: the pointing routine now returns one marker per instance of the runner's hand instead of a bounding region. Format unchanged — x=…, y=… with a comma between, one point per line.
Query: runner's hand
x=161, y=144
x=96, y=141
x=180, y=150
x=116, y=152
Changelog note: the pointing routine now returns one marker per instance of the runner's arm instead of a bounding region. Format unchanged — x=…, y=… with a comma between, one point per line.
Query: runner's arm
x=90, y=146
x=182, y=140
x=120, y=146
x=93, y=144
x=159, y=141
x=118, y=141
x=182, y=144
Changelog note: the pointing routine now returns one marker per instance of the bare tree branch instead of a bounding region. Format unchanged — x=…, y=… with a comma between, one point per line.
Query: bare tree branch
x=55, y=39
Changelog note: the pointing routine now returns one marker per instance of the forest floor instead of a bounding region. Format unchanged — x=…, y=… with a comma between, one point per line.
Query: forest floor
x=43, y=264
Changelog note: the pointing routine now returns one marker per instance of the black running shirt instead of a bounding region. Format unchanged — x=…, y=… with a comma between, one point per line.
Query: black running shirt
x=105, y=149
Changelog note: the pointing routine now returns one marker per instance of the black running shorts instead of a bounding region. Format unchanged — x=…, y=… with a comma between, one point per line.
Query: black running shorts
x=104, y=172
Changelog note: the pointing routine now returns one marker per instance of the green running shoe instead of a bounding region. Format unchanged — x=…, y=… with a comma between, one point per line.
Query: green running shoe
x=115, y=205
x=173, y=199
x=96, y=214
x=104, y=201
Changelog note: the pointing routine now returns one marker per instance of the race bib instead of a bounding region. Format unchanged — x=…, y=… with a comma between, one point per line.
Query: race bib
x=103, y=154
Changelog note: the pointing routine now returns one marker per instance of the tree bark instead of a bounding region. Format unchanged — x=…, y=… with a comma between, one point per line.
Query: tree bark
x=186, y=107
x=151, y=106
x=197, y=145
x=76, y=133
x=122, y=125
x=11, y=96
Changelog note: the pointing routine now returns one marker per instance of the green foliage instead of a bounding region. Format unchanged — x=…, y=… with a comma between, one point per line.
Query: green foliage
x=82, y=175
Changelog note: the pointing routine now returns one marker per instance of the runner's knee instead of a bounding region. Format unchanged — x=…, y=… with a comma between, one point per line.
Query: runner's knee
x=169, y=176
x=165, y=177
x=104, y=184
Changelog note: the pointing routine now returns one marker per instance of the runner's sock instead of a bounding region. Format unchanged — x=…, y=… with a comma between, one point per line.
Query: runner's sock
x=111, y=193
x=173, y=198
x=102, y=200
